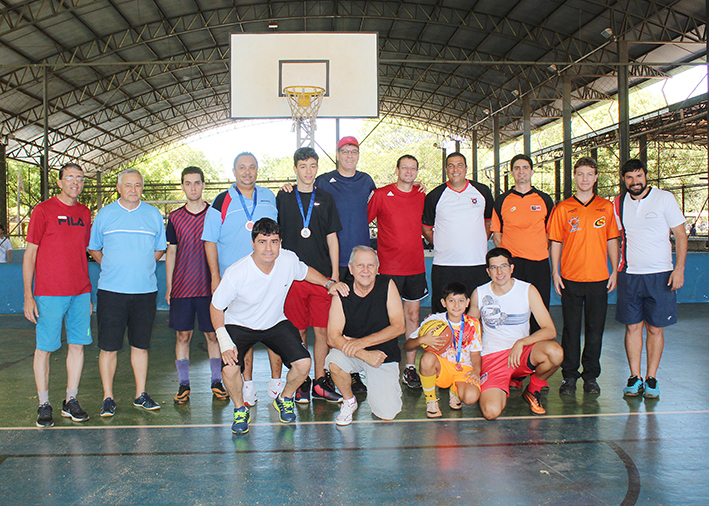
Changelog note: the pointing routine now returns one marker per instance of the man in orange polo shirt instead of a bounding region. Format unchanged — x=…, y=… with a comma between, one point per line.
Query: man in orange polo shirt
x=583, y=232
x=519, y=224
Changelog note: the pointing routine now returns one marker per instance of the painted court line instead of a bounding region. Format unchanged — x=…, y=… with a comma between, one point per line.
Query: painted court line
x=359, y=422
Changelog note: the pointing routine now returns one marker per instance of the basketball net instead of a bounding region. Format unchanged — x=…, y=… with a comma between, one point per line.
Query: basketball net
x=304, y=102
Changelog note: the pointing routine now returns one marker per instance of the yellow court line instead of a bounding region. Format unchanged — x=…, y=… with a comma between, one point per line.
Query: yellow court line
x=361, y=422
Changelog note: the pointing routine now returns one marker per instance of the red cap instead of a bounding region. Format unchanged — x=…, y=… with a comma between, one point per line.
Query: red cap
x=347, y=140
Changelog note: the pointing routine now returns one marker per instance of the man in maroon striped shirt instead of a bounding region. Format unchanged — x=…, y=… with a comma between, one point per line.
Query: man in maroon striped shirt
x=189, y=284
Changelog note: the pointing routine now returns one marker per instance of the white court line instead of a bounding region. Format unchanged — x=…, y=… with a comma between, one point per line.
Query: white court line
x=359, y=422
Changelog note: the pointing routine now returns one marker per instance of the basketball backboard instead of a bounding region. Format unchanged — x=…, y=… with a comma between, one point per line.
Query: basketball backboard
x=344, y=64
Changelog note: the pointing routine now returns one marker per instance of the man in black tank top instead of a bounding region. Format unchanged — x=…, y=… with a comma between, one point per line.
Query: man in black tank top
x=362, y=331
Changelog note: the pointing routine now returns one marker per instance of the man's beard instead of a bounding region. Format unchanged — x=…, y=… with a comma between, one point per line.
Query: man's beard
x=635, y=192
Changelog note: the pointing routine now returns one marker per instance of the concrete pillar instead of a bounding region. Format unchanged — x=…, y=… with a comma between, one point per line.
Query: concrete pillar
x=557, y=180
x=566, y=118
x=99, y=190
x=527, y=112
x=496, y=152
x=643, y=149
x=474, y=160
x=623, y=104
x=44, y=166
x=444, y=176
x=3, y=187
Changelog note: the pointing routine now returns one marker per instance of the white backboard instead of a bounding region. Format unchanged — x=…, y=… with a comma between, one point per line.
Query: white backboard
x=344, y=64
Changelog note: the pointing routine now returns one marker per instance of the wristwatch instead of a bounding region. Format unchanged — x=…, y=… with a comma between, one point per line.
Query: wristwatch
x=329, y=283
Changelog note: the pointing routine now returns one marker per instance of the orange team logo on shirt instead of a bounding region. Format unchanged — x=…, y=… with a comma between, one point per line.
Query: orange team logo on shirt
x=513, y=209
x=535, y=208
x=574, y=222
x=600, y=222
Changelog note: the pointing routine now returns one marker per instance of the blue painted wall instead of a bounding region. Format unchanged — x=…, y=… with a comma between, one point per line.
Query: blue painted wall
x=695, y=289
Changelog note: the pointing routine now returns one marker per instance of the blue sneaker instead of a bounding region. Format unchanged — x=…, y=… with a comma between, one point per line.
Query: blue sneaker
x=146, y=402
x=241, y=420
x=286, y=408
x=634, y=388
x=652, y=390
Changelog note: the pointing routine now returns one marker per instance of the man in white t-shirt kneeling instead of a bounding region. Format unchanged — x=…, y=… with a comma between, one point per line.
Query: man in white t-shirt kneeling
x=247, y=308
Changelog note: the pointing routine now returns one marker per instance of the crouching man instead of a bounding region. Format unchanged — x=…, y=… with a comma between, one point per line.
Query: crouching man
x=247, y=308
x=362, y=331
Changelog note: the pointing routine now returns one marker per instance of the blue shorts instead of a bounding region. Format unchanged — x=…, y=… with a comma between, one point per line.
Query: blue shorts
x=646, y=297
x=183, y=311
x=74, y=310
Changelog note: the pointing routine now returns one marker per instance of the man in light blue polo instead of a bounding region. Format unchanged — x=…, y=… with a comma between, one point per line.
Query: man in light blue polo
x=227, y=239
x=127, y=239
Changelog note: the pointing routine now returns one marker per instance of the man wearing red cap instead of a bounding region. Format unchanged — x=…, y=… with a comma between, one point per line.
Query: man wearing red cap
x=351, y=190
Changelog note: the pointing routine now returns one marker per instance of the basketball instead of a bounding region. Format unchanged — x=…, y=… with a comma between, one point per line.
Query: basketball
x=440, y=328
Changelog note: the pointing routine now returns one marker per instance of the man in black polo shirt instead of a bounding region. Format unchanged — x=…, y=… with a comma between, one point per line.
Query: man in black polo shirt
x=309, y=221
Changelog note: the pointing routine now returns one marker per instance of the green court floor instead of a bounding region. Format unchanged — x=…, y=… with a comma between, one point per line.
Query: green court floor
x=587, y=450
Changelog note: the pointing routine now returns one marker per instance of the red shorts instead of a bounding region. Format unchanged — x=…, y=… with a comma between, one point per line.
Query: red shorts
x=307, y=305
x=499, y=373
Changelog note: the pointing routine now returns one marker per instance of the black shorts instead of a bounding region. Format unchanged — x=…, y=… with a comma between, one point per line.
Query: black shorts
x=411, y=288
x=535, y=272
x=283, y=338
x=472, y=276
x=116, y=312
x=183, y=311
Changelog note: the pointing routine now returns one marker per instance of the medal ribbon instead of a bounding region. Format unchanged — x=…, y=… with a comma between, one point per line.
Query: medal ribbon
x=458, y=338
x=306, y=220
x=243, y=203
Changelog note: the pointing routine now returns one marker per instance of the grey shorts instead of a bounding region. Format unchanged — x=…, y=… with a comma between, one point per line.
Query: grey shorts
x=383, y=388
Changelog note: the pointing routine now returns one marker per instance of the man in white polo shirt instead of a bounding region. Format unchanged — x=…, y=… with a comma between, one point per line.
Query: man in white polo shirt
x=456, y=220
x=647, y=281
x=127, y=239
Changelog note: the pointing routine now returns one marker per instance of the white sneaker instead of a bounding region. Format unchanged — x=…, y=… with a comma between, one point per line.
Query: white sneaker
x=275, y=387
x=250, y=396
x=349, y=406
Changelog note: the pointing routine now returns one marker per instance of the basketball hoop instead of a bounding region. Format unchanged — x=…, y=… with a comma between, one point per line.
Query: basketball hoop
x=304, y=102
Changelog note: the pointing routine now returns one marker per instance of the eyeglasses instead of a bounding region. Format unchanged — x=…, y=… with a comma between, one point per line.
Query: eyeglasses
x=349, y=151
x=496, y=268
x=78, y=179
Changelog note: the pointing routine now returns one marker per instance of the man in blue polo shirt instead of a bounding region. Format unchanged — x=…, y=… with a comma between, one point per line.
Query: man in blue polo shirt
x=227, y=238
x=127, y=239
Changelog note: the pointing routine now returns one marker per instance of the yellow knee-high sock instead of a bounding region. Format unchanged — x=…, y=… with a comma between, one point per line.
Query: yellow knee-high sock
x=429, y=387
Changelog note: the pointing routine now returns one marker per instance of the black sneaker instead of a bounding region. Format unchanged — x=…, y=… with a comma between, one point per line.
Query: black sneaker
x=410, y=378
x=302, y=394
x=72, y=410
x=357, y=386
x=44, y=416
x=219, y=391
x=324, y=389
x=568, y=387
x=182, y=395
x=108, y=408
x=145, y=402
x=591, y=386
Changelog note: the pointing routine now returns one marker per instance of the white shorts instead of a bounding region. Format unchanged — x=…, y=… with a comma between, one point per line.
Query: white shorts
x=383, y=388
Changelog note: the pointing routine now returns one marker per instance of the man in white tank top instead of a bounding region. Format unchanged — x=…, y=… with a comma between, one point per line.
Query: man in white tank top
x=504, y=306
